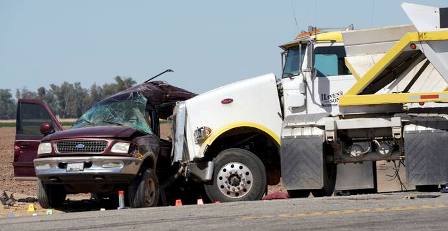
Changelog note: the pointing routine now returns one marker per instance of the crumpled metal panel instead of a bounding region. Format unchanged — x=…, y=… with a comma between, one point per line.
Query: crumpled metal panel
x=179, y=150
x=159, y=94
x=302, y=162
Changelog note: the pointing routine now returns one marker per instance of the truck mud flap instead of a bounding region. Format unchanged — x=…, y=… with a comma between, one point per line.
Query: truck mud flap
x=302, y=162
x=353, y=176
x=426, y=156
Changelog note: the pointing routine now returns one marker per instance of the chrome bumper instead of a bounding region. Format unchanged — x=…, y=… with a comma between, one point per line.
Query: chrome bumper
x=55, y=168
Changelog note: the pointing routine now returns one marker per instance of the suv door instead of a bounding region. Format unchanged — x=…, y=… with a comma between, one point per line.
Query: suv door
x=31, y=114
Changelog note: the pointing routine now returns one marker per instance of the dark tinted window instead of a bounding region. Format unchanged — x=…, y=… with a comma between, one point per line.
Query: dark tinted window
x=329, y=61
x=31, y=116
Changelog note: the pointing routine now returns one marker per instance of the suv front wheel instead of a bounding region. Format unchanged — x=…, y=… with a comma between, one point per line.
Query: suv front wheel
x=50, y=195
x=144, y=191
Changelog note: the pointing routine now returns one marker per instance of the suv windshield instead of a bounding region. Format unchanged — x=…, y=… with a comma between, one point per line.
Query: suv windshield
x=293, y=62
x=128, y=112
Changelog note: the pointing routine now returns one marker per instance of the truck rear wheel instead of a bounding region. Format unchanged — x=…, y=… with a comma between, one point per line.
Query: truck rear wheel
x=298, y=193
x=238, y=175
x=50, y=196
x=427, y=188
x=329, y=181
x=144, y=191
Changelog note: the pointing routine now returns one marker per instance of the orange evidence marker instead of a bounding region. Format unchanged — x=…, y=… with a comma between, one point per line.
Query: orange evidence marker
x=178, y=202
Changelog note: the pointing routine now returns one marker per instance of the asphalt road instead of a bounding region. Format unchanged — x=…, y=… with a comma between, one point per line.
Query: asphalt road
x=364, y=212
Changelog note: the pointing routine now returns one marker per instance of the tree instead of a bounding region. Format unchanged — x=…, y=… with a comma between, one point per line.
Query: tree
x=24, y=93
x=68, y=100
x=7, y=105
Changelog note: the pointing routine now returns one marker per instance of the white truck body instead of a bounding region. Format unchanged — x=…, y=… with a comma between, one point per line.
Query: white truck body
x=346, y=99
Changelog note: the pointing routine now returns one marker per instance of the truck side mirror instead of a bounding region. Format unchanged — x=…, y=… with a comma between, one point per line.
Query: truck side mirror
x=46, y=128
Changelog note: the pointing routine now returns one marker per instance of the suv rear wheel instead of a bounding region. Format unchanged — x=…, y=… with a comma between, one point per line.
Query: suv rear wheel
x=50, y=196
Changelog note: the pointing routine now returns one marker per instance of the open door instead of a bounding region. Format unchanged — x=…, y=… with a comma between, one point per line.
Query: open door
x=31, y=114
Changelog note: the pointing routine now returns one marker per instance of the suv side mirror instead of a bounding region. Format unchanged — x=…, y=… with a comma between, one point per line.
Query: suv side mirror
x=46, y=128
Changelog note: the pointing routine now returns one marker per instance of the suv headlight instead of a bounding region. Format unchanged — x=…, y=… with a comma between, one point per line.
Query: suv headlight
x=44, y=148
x=120, y=147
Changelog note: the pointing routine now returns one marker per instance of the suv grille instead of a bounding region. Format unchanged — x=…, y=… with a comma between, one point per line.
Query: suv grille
x=81, y=146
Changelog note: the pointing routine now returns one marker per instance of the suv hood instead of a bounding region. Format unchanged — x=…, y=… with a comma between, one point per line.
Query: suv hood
x=93, y=132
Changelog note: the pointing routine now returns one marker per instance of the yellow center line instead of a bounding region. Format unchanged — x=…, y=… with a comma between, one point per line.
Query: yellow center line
x=346, y=212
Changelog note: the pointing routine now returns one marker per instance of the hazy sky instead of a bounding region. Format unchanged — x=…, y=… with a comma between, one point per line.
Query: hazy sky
x=207, y=43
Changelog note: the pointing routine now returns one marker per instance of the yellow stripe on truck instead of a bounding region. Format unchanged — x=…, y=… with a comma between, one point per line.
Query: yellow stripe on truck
x=216, y=134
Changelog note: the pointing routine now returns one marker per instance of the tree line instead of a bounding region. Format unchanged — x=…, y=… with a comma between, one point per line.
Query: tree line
x=67, y=100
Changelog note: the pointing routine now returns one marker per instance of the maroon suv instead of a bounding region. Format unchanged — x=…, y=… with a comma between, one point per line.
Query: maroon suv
x=113, y=146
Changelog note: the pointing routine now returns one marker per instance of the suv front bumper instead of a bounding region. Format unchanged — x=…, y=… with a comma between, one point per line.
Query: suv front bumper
x=96, y=169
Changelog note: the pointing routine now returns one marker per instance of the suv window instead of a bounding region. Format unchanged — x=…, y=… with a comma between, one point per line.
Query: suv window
x=31, y=117
x=329, y=61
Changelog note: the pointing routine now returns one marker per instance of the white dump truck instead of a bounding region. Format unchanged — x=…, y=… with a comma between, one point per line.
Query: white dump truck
x=345, y=100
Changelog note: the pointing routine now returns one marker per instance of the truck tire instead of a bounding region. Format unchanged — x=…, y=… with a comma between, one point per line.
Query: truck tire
x=50, y=196
x=144, y=191
x=238, y=175
x=427, y=188
x=329, y=181
x=298, y=193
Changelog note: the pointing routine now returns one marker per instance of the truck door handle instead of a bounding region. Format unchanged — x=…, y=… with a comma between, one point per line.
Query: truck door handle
x=23, y=146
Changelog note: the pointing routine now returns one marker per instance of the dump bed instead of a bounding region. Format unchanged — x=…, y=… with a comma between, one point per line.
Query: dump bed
x=402, y=64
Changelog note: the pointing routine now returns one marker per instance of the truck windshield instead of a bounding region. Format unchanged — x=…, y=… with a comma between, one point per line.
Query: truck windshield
x=128, y=112
x=293, y=62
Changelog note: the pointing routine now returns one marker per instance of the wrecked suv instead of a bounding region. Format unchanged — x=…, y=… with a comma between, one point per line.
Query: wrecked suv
x=114, y=146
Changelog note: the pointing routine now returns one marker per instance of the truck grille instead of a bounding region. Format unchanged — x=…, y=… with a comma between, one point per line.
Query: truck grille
x=81, y=146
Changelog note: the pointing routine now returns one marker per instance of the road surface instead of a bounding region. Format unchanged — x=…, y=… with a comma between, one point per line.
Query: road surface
x=364, y=212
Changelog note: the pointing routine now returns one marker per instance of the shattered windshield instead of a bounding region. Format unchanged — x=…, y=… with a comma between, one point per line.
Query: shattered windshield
x=128, y=112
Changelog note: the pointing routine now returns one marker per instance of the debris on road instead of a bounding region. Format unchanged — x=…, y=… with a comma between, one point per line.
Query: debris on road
x=444, y=188
x=421, y=196
x=31, y=208
x=28, y=200
x=7, y=200
x=276, y=196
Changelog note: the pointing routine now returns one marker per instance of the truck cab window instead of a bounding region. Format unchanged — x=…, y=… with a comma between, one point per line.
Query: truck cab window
x=293, y=62
x=329, y=61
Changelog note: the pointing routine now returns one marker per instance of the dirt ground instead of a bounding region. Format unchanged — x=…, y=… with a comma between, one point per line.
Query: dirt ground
x=21, y=189
x=8, y=183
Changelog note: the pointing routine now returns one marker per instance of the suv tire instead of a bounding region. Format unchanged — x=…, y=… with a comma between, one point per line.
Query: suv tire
x=50, y=196
x=144, y=191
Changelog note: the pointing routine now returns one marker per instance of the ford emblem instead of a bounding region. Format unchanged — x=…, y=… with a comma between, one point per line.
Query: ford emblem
x=80, y=146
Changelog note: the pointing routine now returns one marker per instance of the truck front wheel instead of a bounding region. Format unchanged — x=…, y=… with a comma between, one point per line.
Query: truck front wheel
x=239, y=175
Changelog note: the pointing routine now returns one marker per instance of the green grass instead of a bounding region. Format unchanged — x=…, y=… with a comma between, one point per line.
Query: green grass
x=7, y=124
x=13, y=124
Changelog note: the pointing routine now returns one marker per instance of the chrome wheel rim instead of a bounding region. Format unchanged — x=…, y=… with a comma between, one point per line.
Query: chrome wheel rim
x=234, y=180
